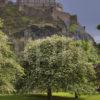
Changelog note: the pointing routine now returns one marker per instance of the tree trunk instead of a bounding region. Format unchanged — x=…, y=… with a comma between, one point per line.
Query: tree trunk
x=49, y=93
x=76, y=96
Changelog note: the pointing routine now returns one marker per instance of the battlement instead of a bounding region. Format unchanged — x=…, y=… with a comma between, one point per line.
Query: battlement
x=38, y=3
x=33, y=3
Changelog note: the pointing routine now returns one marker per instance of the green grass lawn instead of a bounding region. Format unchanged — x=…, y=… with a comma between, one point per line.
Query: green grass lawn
x=40, y=97
x=33, y=98
x=96, y=97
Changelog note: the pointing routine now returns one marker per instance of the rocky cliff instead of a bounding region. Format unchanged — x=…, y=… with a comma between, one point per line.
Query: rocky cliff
x=32, y=23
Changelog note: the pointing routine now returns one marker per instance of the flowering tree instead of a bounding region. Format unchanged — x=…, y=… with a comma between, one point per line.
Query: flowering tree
x=59, y=64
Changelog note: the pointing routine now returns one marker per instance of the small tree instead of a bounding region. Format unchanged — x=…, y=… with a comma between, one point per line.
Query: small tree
x=9, y=68
x=98, y=27
x=58, y=64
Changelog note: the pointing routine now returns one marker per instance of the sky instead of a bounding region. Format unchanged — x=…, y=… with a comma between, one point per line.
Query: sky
x=88, y=13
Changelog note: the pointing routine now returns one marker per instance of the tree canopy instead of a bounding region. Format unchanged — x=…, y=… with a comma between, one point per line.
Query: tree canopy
x=59, y=63
x=9, y=68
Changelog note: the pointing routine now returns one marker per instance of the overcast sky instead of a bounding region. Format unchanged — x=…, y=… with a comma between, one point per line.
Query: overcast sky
x=88, y=12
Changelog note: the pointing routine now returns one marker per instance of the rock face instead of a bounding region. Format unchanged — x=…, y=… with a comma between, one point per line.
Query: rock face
x=35, y=23
x=35, y=32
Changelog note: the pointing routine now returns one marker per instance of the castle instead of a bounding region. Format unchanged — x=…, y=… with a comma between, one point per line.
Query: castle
x=47, y=17
x=34, y=3
x=38, y=4
x=50, y=7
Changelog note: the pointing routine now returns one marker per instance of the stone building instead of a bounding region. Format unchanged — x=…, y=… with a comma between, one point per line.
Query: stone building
x=39, y=3
x=34, y=3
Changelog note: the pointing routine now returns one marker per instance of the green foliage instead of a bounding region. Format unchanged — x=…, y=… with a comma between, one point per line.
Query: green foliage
x=9, y=68
x=14, y=20
x=59, y=63
x=90, y=51
x=98, y=49
x=98, y=27
x=73, y=28
x=1, y=23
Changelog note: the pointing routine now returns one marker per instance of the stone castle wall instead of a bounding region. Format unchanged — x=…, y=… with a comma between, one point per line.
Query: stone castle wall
x=35, y=3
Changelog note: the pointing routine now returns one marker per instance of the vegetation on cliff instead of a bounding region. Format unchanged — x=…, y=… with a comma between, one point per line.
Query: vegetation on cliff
x=16, y=21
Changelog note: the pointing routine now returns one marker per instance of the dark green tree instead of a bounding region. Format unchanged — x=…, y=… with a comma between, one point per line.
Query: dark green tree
x=98, y=27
